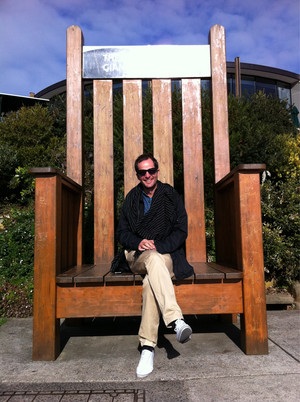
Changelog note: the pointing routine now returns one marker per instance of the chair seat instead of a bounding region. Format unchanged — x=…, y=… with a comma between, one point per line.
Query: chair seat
x=100, y=273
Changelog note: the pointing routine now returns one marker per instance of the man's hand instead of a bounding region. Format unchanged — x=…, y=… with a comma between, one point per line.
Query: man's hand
x=146, y=245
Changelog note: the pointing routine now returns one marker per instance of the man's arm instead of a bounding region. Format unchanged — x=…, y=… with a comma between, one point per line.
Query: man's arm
x=179, y=233
x=124, y=234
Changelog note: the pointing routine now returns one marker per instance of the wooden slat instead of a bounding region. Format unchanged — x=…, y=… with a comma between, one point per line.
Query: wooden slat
x=103, y=177
x=229, y=272
x=219, y=102
x=123, y=278
x=107, y=301
x=95, y=274
x=210, y=298
x=69, y=275
x=74, y=104
x=133, y=130
x=204, y=271
x=162, y=128
x=99, y=301
x=193, y=169
x=74, y=119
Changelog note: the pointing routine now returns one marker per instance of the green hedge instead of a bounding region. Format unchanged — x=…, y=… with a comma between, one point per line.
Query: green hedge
x=260, y=129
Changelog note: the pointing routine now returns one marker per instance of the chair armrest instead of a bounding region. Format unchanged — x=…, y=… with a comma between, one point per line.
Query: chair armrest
x=44, y=172
x=58, y=220
x=238, y=225
x=244, y=168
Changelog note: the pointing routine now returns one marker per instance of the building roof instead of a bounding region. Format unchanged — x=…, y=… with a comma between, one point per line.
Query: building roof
x=246, y=69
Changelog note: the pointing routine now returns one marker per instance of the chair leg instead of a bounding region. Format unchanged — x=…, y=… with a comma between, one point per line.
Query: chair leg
x=46, y=327
x=254, y=332
x=46, y=334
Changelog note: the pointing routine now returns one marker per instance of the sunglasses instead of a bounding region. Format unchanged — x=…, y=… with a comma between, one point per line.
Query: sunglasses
x=142, y=172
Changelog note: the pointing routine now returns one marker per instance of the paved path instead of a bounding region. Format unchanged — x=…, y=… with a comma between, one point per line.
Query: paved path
x=98, y=363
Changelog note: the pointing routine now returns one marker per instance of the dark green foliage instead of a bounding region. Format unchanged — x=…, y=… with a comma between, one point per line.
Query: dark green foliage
x=177, y=140
x=8, y=165
x=280, y=209
x=16, y=243
x=147, y=121
x=261, y=131
x=28, y=138
x=253, y=125
x=28, y=133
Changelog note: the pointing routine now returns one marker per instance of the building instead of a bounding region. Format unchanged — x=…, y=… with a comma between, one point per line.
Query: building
x=10, y=102
x=246, y=77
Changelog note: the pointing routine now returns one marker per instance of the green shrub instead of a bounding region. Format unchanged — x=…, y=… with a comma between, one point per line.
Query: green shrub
x=35, y=137
x=17, y=243
x=280, y=213
x=8, y=165
x=28, y=138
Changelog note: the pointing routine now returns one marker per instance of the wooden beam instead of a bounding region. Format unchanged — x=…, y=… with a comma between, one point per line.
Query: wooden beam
x=193, y=169
x=75, y=145
x=162, y=128
x=74, y=104
x=107, y=301
x=133, y=130
x=103, y=173
x=219, y=102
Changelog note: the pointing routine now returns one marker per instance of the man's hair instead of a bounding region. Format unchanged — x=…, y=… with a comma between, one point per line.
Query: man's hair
x=143, y=158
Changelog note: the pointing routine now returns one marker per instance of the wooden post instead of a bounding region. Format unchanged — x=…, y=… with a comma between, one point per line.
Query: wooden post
x=219, y=102
x=238, y=87
x=75, y=145
x=250, y=259
x=47, y=257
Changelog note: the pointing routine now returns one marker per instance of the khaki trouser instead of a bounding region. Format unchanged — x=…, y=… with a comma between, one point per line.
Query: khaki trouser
x=158, y=292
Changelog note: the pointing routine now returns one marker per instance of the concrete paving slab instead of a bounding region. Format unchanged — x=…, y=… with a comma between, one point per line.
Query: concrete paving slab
x=104, y=353
x=284, y=331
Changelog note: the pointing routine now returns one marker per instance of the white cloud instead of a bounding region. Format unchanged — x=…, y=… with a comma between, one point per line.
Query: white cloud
x=33, y=32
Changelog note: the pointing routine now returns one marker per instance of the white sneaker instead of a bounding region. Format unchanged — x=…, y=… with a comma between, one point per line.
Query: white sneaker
x=145, y=366
x=183, y=331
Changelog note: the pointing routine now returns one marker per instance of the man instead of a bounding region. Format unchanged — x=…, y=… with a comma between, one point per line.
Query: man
x=153, y=229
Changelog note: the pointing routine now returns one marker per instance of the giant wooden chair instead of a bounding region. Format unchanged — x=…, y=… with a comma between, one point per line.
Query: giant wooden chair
x=64, y=287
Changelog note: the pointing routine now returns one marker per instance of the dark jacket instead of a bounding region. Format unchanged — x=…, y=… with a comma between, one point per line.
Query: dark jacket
x=171, y=244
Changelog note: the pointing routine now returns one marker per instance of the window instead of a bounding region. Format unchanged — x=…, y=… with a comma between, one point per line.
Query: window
x=284, y=92
x=268, y=86
x=248, y=85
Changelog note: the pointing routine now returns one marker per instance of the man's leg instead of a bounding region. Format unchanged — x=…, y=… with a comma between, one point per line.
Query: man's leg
x=158, y=296
x=158, y=292
x=148, y=331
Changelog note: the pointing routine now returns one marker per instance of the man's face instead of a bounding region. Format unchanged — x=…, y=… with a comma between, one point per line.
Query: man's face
x=148, y=180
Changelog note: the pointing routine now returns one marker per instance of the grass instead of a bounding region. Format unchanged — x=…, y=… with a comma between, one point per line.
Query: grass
x=3, y=321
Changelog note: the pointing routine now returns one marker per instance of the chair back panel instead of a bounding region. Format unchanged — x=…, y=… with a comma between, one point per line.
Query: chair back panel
x=103, y=68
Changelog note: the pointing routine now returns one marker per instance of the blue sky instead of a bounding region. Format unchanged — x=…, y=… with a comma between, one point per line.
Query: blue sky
x=33, y=32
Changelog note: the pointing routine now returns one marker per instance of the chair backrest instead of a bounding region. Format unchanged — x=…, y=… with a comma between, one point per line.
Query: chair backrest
x=159, y=64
